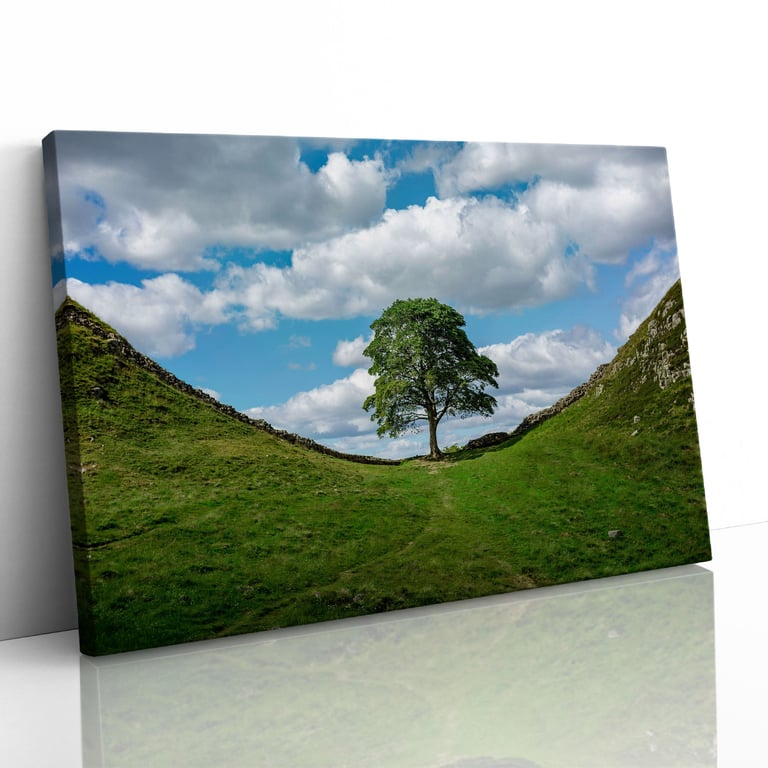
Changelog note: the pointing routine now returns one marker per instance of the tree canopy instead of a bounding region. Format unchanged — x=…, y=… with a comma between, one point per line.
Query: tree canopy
x=426, y=368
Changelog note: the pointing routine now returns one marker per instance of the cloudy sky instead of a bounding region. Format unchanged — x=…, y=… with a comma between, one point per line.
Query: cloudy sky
x=252, y=267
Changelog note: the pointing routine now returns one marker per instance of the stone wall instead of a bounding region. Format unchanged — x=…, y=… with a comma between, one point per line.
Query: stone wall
x=534, y=419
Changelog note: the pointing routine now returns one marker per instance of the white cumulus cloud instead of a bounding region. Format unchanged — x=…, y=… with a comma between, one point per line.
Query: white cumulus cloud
x=159, y=201
x=606, y=200
x=488, y=165
x=176, y=203
x=349, y=353
x=158, y=317
x=331, y=410
x=480, y=255
x=551, y=360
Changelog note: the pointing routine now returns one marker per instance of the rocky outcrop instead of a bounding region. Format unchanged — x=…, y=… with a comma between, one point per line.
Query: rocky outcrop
x=661, y=355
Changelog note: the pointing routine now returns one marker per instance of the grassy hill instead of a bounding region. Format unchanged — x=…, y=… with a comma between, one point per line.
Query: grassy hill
x=191, y=521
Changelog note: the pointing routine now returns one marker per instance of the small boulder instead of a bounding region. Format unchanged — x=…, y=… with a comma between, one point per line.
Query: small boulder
x=489, y=440
x=99, y=393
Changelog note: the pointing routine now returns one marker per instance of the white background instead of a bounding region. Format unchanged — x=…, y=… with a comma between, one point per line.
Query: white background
x=687, y=77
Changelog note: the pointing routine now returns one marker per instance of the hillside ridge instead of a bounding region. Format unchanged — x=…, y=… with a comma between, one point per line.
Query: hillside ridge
x=72, y=312
x=647, y=357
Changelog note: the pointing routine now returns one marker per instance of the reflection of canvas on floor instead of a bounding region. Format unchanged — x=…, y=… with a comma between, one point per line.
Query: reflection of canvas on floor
x=569, y=675
x=218, y=302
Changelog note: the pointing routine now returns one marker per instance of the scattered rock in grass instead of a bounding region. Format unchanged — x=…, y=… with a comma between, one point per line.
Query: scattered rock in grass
x=617, y=534
x=83, y=468
x=99, y=393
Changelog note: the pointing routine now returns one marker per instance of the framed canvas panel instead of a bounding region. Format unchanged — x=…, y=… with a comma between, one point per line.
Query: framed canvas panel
x=305, y=379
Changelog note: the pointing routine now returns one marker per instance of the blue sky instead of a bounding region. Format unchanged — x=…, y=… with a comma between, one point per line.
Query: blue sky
x=252, y=267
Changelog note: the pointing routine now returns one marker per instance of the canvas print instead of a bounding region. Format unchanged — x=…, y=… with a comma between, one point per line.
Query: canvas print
x=305, y=379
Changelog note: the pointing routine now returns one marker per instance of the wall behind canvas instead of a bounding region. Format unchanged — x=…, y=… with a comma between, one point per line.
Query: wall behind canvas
x=583, y=73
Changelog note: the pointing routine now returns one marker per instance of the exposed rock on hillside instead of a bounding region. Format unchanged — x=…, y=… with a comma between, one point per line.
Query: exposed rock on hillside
x=658, y=351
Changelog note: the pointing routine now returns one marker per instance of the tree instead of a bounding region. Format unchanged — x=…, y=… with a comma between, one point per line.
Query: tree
x=425, y=368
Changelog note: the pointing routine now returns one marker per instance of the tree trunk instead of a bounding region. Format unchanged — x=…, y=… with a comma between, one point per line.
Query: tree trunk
x=434, y=449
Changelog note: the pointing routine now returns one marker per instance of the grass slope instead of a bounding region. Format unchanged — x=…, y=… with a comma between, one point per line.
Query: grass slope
x=188, y=523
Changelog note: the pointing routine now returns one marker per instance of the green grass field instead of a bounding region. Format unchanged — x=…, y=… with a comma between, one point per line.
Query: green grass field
x=189, y=524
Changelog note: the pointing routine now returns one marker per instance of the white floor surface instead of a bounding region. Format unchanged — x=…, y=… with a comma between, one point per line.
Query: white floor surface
x=665, y=668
